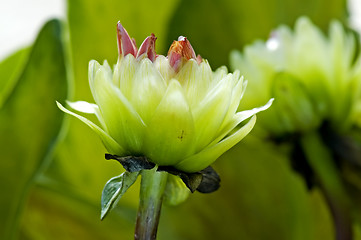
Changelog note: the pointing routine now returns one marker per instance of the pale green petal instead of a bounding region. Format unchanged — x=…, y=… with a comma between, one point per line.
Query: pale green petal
x=196, y=80
x=206, y=157
x=124, y=72
x=122, y=121
x=220, y=73
x=162, y=65
x=107, y=69
x=237, y=95
x=90, y=108
x=148, y=90
x=237, y=119
x=111, y=145
x=170, y=133
x=94, y=66
x=210, y=113
x=203, y=82
x=342, y=49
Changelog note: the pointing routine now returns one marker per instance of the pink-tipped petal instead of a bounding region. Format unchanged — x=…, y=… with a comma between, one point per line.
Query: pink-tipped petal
x=199, y=59
x=148, y=47
x=179, y=50
x=125, y=44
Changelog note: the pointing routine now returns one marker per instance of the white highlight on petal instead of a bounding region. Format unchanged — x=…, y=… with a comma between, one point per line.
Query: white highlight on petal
x=111, y=145
x=82, y=106
x=272, y=44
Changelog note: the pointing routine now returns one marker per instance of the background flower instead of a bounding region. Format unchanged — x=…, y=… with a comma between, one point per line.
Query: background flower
x=315, y=78
x=316, y=81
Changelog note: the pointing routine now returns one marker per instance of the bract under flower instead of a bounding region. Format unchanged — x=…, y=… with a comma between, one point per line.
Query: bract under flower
x=174, y=110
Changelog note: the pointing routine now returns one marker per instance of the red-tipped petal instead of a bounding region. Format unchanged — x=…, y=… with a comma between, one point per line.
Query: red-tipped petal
x=125, y=44
x=179, y=50
x=148, y=47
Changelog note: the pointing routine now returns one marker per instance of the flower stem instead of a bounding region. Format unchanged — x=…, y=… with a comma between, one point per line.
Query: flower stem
x=151, y=195
x=326, y=172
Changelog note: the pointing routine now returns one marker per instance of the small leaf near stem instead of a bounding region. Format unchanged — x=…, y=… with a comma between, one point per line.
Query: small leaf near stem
x=150, y=202
x=114, y=189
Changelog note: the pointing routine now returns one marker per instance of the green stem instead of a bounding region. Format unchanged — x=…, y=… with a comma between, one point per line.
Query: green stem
x=326, y=172
x=151, y=195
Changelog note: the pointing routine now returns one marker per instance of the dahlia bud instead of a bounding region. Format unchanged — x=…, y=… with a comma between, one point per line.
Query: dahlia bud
x=173, y=110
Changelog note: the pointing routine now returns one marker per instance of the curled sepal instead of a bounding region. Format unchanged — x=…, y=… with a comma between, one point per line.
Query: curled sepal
x=204, y=181
x=175, y=191
x=114, y=189
x=210, y=180
x=132, y=163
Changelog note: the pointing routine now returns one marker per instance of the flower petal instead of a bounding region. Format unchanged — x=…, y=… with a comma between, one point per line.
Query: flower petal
x=122, y=121
x=237, y=119
x=207, y=156
x=196, y=80
x=210, y=113
x=111, y=145
x=124, y=72
x=161, y=63
x=169, y=135
x=237, y=94
x=90, y=108
x=82, y=106
x=148, y=89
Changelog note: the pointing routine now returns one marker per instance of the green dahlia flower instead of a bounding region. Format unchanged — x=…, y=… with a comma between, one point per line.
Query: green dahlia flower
x=174, y=110
x=314, y=78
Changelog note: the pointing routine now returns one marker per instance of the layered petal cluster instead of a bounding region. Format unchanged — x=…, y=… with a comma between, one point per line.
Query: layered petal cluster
x=314, y=78
x=172, y=109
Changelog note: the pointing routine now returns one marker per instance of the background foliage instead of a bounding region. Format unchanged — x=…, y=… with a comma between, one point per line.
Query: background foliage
x=52, y=168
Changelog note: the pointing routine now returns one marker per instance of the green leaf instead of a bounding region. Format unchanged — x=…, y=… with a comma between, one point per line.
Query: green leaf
x=114, y=189
x=10, y=70
x=30, y=123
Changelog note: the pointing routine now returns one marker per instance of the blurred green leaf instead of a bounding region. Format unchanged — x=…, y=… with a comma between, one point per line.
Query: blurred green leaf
x=56, y=214
x=10, y=68
x=30, y=122
x=259, y=198
x=216, y=27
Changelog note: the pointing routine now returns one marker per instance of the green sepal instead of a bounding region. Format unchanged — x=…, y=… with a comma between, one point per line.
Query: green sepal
x=204, y=181
x=176, y=191
x=114, y=189
x=132, y=163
